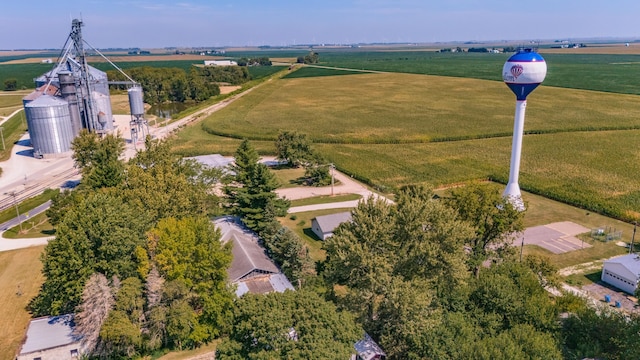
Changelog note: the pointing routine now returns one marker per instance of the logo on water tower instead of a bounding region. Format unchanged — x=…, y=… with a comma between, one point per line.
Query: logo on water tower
x=516, y=70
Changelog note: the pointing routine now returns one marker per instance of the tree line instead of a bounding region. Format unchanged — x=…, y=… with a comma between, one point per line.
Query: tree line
x=176, y=85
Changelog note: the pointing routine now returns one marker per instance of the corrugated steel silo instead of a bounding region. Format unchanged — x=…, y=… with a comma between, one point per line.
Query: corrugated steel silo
x=103, y=111
x=136, y=102
x=49, y=125
x=69, y=93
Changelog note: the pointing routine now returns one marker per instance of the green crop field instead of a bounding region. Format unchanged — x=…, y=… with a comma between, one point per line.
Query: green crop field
x=601, y=72
x=396, y=129
x=404, y=108
x=311, y=71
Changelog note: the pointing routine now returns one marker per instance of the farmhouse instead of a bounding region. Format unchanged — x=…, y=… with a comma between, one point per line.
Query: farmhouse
x=51, y=337
x=220, y=63
x=622, y=272
x=251, y=269
x=323, y=226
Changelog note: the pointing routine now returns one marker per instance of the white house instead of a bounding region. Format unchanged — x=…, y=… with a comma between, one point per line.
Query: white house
x=51, y=338
x=622, y=272
x=323, y=226
x=220, y=63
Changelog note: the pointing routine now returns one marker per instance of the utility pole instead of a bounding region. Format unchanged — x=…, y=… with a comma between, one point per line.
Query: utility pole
x=633, y=237
x=332, y=177
x=15, y=203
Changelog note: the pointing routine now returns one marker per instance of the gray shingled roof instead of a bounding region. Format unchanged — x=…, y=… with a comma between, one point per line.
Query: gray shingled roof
x=328, y=223
x=249, y=258
x=49, y=332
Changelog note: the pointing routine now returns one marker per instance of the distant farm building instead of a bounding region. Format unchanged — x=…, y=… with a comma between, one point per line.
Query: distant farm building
x=51, y=337
x=622, y=272
x=323, y=226
x=251, y=269
x=220, y=63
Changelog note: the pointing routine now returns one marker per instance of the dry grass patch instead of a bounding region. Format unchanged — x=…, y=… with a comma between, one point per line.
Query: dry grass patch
x=20, y=280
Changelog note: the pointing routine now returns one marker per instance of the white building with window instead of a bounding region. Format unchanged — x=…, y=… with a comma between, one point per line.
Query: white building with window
x=622, y=272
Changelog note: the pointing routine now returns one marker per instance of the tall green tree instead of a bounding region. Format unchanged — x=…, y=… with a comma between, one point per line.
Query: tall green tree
x=121, y=334
x=99, y=234
x=494, y=218
x=361, y=255
x=253, y=190
x=189, y=251
x=291, y=325
x=98, y=159
x=294, y=148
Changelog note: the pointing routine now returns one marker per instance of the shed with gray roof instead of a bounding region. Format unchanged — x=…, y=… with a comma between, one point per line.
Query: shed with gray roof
x=51, y=337
x=323, y=226
x=622, y=272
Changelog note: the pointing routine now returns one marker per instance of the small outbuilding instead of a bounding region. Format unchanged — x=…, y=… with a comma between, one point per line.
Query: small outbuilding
x=220, y=63
x=323, y=226
x=622, y=272
x=367, y=349
x=51, y=338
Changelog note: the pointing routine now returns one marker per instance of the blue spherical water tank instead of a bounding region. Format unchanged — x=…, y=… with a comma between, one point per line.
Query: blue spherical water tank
x=523, y=72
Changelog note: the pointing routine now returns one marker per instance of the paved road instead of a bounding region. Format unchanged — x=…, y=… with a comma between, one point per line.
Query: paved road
x=12, y=244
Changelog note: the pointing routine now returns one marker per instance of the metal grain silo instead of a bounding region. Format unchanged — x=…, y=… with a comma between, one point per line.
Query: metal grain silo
x=136, y=102
x=103, y=111
x=49, y=125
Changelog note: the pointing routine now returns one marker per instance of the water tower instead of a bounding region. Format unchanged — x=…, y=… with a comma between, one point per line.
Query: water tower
x=522, y=73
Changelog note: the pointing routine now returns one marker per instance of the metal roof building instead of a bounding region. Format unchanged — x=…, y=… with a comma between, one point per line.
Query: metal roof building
x=323, y=226
x=622, y=272
x=251, y=269
x=51, y=337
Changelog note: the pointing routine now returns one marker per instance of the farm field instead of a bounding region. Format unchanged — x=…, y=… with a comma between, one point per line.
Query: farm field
x=405, y=108
x=20, y=280
x=416, y=128
x=600, y=72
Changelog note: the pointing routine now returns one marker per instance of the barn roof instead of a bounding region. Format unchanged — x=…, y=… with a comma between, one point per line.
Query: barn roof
x=249, y=257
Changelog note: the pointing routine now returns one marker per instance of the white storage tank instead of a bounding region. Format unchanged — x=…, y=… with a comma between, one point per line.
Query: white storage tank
x=136, y=102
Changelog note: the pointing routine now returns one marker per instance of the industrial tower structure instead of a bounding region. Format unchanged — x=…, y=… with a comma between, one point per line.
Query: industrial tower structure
x=71, y=97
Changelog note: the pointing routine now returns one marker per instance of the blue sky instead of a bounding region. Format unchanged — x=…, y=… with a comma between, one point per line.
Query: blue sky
x=33, y=24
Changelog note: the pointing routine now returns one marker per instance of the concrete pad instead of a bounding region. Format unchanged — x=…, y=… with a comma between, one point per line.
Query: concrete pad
x=557, y=237
x=568, y=228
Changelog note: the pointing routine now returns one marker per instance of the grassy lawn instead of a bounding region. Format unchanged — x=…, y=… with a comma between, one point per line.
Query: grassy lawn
x=189, y=354
x=10, y=100
x=325, y=199
x=288, y=177
x=6, y=111
x=20, y=280
x=12, y=130
x=583, y=278
x=36, y=226
x=301, y=225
